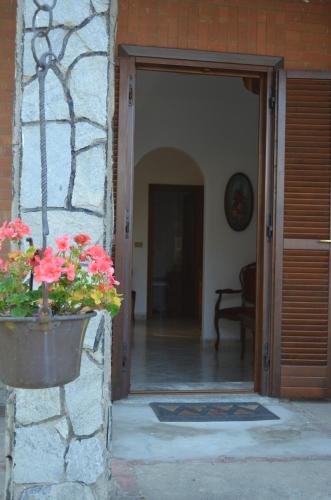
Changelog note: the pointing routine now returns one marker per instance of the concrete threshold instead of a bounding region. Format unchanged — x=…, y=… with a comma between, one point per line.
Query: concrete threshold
x=202, y=388
x=289, y=458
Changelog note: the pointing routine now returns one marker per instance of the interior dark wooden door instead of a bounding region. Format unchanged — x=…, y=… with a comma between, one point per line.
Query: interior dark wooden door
x=305, y=346
x=175, y=251
x=124, y=114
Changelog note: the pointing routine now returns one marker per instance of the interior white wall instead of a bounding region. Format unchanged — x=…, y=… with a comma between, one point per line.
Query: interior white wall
x=214, y=120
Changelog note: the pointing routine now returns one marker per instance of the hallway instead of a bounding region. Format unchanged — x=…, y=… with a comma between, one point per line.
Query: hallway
x=169, y=355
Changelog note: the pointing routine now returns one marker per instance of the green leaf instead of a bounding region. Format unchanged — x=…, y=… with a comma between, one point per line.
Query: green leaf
x=19, y=298
x=20, y=311
x=113, y=309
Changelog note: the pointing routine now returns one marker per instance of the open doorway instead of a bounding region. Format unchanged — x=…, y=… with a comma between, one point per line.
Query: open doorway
x=192, y=134
x=175, y=252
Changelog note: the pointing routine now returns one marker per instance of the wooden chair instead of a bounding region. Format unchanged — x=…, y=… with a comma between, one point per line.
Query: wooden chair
x=245, y=313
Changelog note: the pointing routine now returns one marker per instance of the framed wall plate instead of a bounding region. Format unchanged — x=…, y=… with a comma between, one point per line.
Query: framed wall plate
x=239, y=201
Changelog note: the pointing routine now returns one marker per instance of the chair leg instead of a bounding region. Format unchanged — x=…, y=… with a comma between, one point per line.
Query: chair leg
x=217, y=329
x=242, y=340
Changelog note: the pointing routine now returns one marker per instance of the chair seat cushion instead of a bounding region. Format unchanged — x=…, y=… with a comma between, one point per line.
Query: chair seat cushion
x=237, y=313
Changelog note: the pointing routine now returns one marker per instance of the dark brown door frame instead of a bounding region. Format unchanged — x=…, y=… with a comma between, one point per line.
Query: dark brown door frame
x=279, y=185
x=123, y=235
x=153, y=188
x=133, y=57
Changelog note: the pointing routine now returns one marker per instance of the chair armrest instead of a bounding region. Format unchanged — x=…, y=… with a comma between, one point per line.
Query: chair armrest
x=227, y=290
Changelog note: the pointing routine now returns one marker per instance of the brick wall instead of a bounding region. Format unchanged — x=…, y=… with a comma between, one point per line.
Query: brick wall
x=7, y=69
x=299, y=31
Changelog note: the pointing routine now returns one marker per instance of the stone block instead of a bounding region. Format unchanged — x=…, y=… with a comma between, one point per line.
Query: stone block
x=94, y=337
x=85, y=460
x=89, y=187
x=55, y=103
x=56, y=37
x=38, y=404
x=92, y=37
x=68, y=12
x=38, y=455
x=84, y=399
x=98, y=355
x=88, y=84
x=29, y=64
x=63, y=491
x=92, y=330
x=87, y=134
x=62, y=427
x=59, y=165
x=65, y=222
x=100, y=5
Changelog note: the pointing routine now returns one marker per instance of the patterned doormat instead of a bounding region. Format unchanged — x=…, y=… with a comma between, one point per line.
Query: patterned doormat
x=211, y=412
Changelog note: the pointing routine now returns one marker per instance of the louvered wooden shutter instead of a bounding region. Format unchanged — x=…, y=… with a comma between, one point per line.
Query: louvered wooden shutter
x=305, y=322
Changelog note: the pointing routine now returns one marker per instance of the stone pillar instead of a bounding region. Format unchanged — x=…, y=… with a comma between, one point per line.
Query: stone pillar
x=58, y=440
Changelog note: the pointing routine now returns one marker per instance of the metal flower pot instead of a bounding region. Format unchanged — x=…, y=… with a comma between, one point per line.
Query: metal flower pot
x=40, y=352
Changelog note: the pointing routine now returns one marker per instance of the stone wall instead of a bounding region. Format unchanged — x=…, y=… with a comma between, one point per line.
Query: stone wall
x=58, y=440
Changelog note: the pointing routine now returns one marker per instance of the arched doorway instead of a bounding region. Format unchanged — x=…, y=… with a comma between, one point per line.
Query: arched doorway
x=167, y=235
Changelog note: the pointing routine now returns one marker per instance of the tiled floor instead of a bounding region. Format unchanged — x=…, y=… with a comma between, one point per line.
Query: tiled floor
x=169, y=355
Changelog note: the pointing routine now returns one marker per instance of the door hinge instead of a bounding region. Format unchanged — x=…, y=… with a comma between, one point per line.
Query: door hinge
x=130, y=90
x=269, y=229
x=124, y=357
x=266, y=357
x=127, y=223
x=272, y=100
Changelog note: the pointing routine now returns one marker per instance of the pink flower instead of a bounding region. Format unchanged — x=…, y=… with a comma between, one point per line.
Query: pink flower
x=49, y=268
x=3, y=266
x=100, y=263
x=97, y=252
x=82, y=239
x=112, y=281
x=93, y=267
x=70, y=272
x=6, y=231
x=103, y=265
x=62, y=243
x=48, y=272
x=14, y=230
x=21, y=229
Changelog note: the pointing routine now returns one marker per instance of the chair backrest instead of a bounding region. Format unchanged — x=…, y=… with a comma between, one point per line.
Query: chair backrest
x=247, y=278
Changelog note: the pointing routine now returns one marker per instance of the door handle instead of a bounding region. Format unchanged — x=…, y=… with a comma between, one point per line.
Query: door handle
x=325, y=241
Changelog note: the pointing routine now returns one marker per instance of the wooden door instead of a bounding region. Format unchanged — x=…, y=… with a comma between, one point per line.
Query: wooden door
x=302, y=315
x=175, y=250
x=121, y=351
